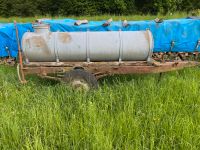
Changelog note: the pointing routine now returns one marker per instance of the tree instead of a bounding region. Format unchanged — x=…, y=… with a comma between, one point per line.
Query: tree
x=94, y=7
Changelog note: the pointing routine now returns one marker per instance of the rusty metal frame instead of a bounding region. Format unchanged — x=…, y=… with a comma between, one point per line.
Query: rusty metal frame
x=101, y=69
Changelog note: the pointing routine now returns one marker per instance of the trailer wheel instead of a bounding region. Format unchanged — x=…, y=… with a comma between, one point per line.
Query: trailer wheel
x=81, y=79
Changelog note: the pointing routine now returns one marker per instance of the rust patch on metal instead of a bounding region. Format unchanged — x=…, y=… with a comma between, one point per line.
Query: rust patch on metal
x=40, y=43
x=27, y=41
x=146, y=34
x=49, y=35
x=64, y=37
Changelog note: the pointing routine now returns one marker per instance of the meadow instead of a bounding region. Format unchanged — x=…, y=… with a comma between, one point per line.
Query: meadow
x=100, y=17
x=126, y=112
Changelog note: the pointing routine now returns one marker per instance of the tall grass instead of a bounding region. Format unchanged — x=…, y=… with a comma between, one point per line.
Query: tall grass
x=126, y=112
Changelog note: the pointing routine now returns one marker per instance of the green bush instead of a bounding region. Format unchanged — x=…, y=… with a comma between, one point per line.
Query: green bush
x=94, y=7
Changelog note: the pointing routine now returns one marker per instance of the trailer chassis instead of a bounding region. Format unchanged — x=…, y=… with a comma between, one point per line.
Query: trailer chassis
x=57, y=71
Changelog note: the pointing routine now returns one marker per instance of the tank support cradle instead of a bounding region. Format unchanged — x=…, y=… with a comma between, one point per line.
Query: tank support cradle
x=53, y=70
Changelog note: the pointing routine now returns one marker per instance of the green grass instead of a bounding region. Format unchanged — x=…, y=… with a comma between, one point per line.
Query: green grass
x=101, y=17
x=126, y=112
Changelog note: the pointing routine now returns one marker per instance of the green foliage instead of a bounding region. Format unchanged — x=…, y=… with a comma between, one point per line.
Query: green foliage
x=17, y=8
x=78, y=7
x=93, y=7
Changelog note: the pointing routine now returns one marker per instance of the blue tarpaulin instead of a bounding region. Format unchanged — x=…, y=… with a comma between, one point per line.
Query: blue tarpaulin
x=8, y=42
x=185, y=33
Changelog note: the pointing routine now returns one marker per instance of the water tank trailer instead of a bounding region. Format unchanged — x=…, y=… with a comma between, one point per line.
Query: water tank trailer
x=81, y=58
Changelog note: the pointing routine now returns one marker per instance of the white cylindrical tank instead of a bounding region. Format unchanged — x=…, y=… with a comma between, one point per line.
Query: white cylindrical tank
x=87, y=46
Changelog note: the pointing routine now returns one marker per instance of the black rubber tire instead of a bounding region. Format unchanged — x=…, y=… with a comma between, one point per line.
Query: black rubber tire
x=82, y=76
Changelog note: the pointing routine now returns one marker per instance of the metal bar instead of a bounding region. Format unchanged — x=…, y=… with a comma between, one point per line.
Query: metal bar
x=50, y=77
x=103, y=70
x=149, y=59
x=55, y=48
x=21, y=73
x=121, y=46
x=87, y=46
x=166, y=67
x=84, y=64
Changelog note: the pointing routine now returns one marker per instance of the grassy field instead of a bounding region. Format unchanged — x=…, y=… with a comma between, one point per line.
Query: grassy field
x=101, y=17
x=126, y=112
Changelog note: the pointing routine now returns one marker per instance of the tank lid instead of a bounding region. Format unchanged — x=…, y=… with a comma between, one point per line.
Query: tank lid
x=39, y=28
